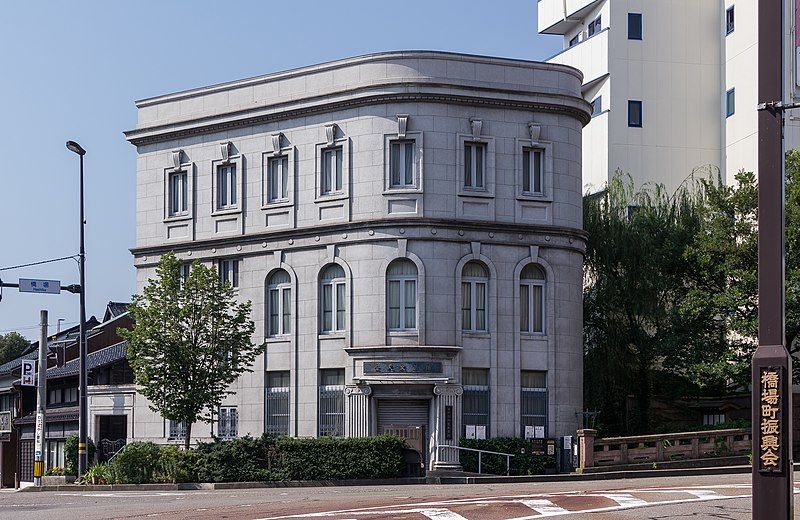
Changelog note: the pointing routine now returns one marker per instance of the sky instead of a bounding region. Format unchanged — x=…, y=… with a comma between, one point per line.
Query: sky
x=72, y=71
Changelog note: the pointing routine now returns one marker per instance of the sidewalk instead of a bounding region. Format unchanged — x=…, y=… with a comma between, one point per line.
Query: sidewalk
x=450, y=480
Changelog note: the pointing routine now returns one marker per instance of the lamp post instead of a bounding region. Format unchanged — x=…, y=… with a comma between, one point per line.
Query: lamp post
x=82, y=421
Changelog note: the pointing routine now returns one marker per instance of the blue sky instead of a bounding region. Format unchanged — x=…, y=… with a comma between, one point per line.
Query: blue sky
x=72, y=70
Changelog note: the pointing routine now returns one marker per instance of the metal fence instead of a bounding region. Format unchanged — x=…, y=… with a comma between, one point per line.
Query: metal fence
x=277, y=411
x=331, y=411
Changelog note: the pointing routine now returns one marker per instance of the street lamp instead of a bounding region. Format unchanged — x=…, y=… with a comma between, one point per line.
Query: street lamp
x=76, y=148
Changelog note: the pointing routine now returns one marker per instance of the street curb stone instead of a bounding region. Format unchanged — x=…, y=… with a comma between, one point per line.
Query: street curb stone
x=454, y=480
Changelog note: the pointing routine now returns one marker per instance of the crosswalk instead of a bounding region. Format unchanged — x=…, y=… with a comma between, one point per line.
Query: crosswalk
x=532, y=507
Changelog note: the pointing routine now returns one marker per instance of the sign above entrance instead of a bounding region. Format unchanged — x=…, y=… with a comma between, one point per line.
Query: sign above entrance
x=403, y=367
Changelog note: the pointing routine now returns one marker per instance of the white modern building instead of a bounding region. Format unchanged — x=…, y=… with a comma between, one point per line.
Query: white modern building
x=408, y=228
x=673, y=84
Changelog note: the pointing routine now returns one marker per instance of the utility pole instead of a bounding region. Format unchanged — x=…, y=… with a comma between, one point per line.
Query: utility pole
x=41, y=403
x=772, y=365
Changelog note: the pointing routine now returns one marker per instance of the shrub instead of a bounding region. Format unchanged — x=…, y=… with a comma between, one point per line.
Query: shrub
x=328, y=458
x=176, y=465
x=137, y=463
x=522, y=463
x=238, y=460
x=71, y=453
x=99, y=474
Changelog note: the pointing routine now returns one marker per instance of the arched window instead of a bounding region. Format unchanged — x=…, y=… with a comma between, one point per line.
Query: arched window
x=531, y=300
x=401, y=292
x=332, y=298
x=279, y=303
x=474, y=281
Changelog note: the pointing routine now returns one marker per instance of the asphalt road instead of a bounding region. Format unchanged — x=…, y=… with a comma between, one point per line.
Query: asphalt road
x=713, y=497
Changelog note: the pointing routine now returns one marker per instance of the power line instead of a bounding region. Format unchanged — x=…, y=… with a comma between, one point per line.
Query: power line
x=72, y=257
x=16, y=329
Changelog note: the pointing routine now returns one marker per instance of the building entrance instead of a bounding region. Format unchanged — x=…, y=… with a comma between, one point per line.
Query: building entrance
x=407, y=419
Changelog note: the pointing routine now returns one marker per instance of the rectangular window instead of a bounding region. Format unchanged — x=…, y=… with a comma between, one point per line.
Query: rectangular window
x=729, y=21
x=177, y=429
x=229, y=272
x=730, y=102
x=473, y=306
x=403, y=304
x=54, y=396
x=226, y=186
x=532, y=171
x=331, y=403
x=597, y=106
x=634, y=26
x=277, y=403
x=402, y=164
x=531, y=307
x=475, y=402
x=332, y=170
x=185, y=269
x=71, y=395
x=574, y=41
x=594, y=27
x=333, y=305
x=227, y=427
x=713, y=419
x=6, y=403
x=178, y=194
x=474, y=165
x=55, y=454
x=533, y=411
x=635, y=114
x=280, y=311
x=278, y=179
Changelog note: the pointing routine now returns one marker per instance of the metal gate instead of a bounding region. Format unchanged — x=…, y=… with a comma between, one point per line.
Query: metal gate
x=402, y=412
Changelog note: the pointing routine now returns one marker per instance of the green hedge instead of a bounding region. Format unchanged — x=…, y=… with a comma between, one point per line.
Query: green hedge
x=71, y=453
x=329, y=458
x=522, y=463
x=250, y=459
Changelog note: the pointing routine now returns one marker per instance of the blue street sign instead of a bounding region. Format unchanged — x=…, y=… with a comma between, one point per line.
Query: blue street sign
x=39, y=286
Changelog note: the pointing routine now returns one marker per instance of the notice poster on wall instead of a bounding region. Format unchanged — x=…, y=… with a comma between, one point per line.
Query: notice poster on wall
x=470, y=431
x=539, y=433
x=530, y=433
x=480, y=432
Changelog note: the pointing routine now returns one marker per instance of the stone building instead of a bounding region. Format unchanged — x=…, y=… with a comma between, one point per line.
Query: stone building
x=408, y=228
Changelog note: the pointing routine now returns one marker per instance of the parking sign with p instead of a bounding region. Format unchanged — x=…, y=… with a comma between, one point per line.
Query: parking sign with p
x=28, y=374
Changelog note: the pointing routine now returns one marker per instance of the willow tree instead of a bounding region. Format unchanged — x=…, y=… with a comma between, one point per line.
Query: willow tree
x=644, y=330
x=191, y=340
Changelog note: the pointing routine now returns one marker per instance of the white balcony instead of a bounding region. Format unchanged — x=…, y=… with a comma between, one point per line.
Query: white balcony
x=589, y=56
x=560, y=16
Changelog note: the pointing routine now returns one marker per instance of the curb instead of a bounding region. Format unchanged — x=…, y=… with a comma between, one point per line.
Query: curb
x=210, y=486
x=454, y=480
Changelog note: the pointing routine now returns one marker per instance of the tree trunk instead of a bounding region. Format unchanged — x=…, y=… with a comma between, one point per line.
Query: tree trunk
x=188, y=439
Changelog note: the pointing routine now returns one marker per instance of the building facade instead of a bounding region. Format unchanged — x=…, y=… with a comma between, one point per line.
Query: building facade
x=408, y=228
x=673, y=84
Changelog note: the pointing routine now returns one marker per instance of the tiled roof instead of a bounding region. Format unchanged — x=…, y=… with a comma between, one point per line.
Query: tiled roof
x=65, y=414
x=6, y=368
x=114, y=309
x=94, y=360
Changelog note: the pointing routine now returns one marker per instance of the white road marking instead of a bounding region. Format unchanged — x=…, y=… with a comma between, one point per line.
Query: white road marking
x=704, y=493
x=544, y=507
x=440, y=514
x=624, y=499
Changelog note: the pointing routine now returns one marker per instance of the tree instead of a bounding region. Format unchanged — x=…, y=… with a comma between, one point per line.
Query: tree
x=645, y=330
x=727, y=254
x=191, y=340
x=12, y=345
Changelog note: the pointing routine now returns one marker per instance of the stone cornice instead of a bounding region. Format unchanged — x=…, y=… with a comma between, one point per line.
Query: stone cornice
x=310, y=237
x=572, y=106
x=354, y=61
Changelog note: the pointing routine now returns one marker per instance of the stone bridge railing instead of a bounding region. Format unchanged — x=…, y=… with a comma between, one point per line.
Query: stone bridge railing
x=620, y=451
